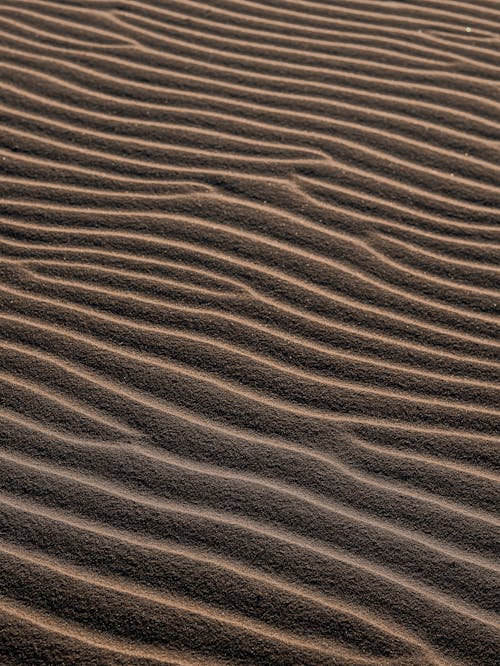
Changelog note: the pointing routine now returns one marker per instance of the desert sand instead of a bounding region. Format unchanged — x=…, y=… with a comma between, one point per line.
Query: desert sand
x=249, y=343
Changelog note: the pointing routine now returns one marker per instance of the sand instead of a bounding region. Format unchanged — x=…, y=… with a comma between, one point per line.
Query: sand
x=249, y=299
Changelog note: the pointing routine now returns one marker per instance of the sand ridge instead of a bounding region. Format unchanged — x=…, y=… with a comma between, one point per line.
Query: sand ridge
x=249, y=342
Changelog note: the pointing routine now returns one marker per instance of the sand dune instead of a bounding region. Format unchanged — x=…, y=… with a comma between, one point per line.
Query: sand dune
x=249, y=297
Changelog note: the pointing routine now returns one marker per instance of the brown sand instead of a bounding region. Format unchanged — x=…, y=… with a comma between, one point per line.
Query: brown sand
x=249, y=301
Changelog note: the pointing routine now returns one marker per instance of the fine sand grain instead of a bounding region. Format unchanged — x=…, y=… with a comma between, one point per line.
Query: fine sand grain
x=249, y=343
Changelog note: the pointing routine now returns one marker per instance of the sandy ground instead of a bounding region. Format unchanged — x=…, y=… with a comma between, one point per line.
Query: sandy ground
x=249, y=350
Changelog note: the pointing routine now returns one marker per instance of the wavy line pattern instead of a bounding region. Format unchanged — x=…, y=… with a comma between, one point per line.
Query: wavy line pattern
x=249, y=310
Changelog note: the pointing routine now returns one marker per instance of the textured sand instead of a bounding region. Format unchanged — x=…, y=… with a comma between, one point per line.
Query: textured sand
x=249, y=299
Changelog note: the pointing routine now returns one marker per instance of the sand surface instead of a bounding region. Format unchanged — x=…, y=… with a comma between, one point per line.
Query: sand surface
x=249, y=299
